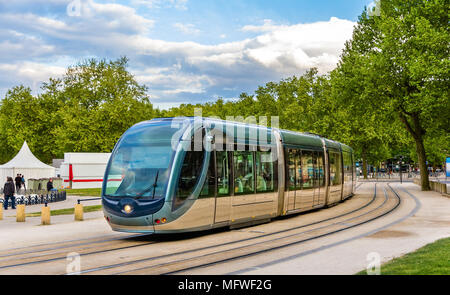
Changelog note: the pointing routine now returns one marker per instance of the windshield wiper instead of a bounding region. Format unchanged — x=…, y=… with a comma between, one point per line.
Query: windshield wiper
x=153, y=186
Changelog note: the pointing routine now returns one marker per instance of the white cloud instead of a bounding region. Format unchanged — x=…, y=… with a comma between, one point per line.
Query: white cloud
x=172, y=70
x=188, y=29
x=158, y=4
x=266, y=27
x=30, y=74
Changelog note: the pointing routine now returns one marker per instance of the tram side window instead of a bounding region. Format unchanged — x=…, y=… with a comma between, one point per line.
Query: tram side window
x=321, y=169
x=291, y=169
x=265, y=164
x=316, y=174
x=243, y=173
x=335, y=168
x=307, y=170
x=347, y=166
x=190, y=173
x=223, y=174
x=209, y=186
x=298, y=165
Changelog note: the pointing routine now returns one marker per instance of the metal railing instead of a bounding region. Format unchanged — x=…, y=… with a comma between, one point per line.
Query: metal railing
x=86, y=200
x=35, y=199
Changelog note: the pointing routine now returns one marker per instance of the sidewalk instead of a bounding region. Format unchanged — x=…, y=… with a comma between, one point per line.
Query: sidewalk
x=430, y=223
x=63, y=227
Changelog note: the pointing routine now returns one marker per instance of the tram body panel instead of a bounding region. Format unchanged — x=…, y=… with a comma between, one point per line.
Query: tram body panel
x=199, y=216
x=222, y=210
x=281, y=196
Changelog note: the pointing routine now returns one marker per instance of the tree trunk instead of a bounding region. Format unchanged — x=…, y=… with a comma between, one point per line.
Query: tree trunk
x=424, y=180
x=364, y=160
x=417, y=133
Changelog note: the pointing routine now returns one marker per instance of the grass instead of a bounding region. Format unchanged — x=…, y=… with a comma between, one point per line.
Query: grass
x=69, y=211
x=433, y=259
x=85, y=192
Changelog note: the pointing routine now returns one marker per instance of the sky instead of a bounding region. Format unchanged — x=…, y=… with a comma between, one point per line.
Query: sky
x=184, y=51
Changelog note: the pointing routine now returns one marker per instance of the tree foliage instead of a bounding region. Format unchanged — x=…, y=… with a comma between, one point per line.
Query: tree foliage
x=86, y=110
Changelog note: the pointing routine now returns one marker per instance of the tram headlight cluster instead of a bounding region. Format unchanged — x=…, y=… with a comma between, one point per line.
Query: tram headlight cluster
x=127, y=209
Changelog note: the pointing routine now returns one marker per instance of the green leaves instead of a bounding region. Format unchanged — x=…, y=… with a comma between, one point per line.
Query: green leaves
x=87, y=110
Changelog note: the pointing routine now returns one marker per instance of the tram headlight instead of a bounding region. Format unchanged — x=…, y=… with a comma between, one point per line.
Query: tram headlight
x=128, y=209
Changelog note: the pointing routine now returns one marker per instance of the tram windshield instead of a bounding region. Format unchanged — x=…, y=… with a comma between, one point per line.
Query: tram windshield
x=141, y=163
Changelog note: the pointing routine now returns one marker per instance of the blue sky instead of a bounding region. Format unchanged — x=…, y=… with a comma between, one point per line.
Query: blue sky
x=185, y=51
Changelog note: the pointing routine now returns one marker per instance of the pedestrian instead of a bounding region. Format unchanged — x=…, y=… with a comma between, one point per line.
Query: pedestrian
x=8, y=190
x=23, y=183
x=50, y=184
x=18, y=181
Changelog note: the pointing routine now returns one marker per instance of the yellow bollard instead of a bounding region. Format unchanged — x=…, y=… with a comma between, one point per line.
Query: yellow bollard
x=20, y=213
x=78, y=212
x=45, y=216
x=1, y=211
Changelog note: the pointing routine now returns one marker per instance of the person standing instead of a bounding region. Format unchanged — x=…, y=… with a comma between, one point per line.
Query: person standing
x=50, y=184
x=18, y=181
x=8, y=190
x=23, y=183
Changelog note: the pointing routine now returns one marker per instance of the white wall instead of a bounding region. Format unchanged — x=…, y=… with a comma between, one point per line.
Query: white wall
x=88, y=169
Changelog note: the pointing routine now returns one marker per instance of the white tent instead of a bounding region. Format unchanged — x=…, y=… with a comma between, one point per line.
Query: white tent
x=27, y=164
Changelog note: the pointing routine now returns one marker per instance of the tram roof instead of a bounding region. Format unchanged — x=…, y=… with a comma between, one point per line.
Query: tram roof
x=288, y=137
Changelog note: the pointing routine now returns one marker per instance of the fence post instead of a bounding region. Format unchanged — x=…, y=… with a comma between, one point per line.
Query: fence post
x=45, y=215
x=78, y=212
x=20, y=213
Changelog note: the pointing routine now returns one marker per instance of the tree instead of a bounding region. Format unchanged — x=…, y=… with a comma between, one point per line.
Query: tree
x=86, y=110
x=402, y=60
x=98, y=101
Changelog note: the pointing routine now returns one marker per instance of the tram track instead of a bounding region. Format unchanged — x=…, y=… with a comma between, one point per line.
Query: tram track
x=100, y=246
x=62, y=245
x=268, y=245
x=135, y=267
x=88, y=241
x=40, y=254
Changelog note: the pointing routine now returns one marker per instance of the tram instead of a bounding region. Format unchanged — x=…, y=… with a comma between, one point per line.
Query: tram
x=175, y=175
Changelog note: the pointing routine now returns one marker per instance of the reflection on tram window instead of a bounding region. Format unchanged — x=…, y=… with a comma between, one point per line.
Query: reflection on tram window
x=348, y=172
x=335, y=168
x=209, y=186
x=307, y=170
x=223, y=174
x=140, y=167
x=265, y=181
x=321, y=169
x=190, y=174
x=298, y=165
x=291, y=169
x=243, y=173
x=139, y=171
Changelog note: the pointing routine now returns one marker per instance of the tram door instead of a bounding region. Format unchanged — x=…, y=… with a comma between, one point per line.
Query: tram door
x=223, y=195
